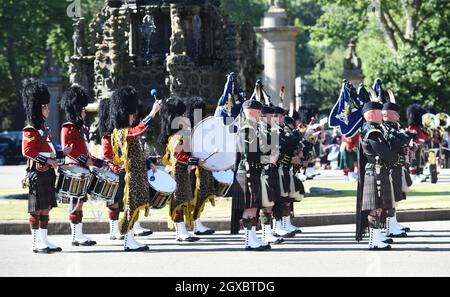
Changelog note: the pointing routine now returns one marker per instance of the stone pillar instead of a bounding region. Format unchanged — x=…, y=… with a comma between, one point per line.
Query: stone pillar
x=352, y=66
x=50, y=74
x=279, y=54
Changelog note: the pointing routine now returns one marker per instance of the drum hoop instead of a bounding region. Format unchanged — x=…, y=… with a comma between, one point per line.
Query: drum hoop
x=158, y=191
x=193, y=132
x=67, y=173
x=99, y=173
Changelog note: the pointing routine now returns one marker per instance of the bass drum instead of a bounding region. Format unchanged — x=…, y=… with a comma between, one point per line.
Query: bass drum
x=222, y=182
x=212, y=136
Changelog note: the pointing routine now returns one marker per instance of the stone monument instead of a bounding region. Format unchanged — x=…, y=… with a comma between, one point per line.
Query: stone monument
x=352, y=66
x=279, y=53
x=50, y=74
x=178, y=47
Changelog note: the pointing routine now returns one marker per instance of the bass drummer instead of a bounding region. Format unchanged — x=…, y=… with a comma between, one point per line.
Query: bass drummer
x=74, y=138
x=202, y=180
x=129, y=156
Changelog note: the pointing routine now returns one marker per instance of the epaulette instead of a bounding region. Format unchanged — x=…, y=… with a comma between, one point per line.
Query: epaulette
x=28, y=133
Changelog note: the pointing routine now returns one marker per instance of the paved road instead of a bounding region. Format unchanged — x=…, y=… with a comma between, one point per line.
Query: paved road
x=319, y=251
x=11, y=176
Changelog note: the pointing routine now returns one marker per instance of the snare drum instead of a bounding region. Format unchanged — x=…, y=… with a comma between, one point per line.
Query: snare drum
x=162, y=185
x=72, y=181
x=222, y=182
x=103, y=185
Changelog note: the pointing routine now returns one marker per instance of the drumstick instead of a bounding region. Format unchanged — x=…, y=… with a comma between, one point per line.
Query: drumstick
x=212, y=154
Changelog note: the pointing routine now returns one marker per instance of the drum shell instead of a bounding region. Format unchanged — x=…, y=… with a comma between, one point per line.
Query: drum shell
x=158, y=200
x=74, y=186
x=102, y=188
x=221, y=189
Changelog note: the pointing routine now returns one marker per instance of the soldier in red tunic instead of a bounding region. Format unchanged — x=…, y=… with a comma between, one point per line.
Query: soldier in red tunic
x=74, y=138
x=37, y=147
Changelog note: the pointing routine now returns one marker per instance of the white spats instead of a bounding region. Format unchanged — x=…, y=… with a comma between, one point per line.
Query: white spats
x=114, y=233
x=78, y=238
x=268, y=237
x=280, y=231
x=376, y=240
x=394, y=229
x=131, y=245
x=252, y=242
x=36, y=244
x=287, y=225
x=200, y=229
x=141, y=231
x=182, y=233
x=43, y=236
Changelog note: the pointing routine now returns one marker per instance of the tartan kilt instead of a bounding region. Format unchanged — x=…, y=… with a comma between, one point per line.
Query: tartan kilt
x=42, y=193
x=371, y=200
x=347, y=159
x=273, y=183
x=243, y=196
x=397, y=180
x=285, y=180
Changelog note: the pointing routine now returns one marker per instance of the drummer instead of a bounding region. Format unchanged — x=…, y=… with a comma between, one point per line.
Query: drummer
x=40, y=152
x=174, y=131
x=202, y=180
x=128, y=155
x=74, y=138
x=108, y=156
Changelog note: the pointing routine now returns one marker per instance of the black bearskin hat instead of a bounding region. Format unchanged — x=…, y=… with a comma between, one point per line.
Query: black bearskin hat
x=174, y=107
x=193, y=104
x=34, y=95
x=104, y=125
x=414, y=114
x=124, y=102
x=72, y=102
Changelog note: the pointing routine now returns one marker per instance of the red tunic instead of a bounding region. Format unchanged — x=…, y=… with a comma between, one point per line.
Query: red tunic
x=108, y=152
x=422, y=136
x=71, y=136
x=35, y=147
x=137, y=131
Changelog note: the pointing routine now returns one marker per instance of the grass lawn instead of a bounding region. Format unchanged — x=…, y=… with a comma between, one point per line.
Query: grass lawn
x=421, y=196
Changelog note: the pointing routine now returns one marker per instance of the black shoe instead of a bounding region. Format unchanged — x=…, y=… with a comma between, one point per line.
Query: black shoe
x=289, y=235
x=42, y=251
x=86, y=243
x=397, y=235
x=406, y=229
x=145, y=233
x=57, y=249
x=267, y=247
x=260, y=248
x=389, y=241
x=388, y=247
x=298, y=231
x=207, y=232
x=141, y=249
x=278, y=241
x=189, y=239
